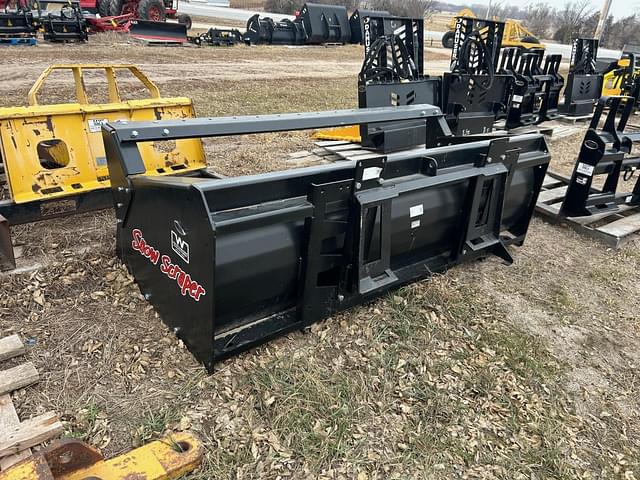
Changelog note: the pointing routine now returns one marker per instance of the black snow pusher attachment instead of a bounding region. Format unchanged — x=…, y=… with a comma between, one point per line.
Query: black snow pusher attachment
x=604, y=153
x=231, y=263
x=584, y=82
x=473, y=92
x=158, y=32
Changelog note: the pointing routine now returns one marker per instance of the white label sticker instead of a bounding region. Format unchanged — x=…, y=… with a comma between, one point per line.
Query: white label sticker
x=517, y=98
x=95, y=124
x=371, y=173
x=415, y=224
x=582, y=180
x=180, y=246
x=585, y=169
x=416, y=211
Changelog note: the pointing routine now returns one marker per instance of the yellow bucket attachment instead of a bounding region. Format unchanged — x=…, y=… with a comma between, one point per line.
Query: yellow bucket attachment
x=345, y=134
x=53, y=151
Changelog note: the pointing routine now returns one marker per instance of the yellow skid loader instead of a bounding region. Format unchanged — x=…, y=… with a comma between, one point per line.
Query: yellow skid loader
x=52, y=158
x=515, y=34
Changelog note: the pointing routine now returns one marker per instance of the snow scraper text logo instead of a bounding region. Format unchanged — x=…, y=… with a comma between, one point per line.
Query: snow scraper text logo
x=187, y=285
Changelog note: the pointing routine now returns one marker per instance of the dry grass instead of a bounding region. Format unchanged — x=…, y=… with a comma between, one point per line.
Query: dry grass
x=488, y=371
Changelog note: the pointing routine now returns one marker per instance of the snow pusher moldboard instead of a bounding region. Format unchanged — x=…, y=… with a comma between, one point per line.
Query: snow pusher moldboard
x=52, y=159
x=231, y=263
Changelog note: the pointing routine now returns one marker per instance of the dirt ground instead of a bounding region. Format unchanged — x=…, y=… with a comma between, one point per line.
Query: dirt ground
x=522, y=372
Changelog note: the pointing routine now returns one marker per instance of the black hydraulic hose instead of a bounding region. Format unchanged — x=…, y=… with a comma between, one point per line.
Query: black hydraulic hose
x=402, y=65
x=463, y=66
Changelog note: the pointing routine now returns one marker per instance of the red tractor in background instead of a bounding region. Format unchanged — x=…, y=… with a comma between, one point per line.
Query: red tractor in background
x=154, y=10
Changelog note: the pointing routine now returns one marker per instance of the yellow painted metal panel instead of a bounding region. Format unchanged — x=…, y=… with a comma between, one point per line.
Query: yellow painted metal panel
x=170, y=458
x=346, y=134
x=53, y=151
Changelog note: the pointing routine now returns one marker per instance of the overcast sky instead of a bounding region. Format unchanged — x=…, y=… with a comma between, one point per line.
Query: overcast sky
x=619, y=8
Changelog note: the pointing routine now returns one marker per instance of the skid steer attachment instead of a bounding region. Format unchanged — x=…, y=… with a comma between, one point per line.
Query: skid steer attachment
x=231, y=263
x=392, y=74
x=18, y=22
x=53, y=156
x=158, y=32
x=604, y=152
x=584, y=82
x=66, y=25
x=535, y=88
x=473, y=92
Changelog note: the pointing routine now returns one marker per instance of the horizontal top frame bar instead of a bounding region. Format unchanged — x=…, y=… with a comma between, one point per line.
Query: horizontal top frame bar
x=241, y=125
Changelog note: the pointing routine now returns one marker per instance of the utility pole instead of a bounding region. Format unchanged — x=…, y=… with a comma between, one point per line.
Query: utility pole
x=604, y=14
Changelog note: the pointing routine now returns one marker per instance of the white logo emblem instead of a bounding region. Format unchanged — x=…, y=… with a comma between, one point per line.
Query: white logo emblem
x=180, y=246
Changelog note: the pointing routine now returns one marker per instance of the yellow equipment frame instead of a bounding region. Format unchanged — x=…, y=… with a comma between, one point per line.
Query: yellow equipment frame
x=54, y=151
x=514, y=31
x=166, y=459
x=613, y=80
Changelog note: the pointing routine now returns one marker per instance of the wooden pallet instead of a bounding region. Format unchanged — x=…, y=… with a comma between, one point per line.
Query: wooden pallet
x=16, y=437
x=613, y=228
x=19, y=41
x=348, y=150
x=575, y=119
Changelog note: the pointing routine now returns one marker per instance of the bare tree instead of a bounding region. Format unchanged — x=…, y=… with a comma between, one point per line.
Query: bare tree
x=625, y=31
x=572, y=19
x=288, y=7
x=539, y=18
x=405, y=8
x=292, y=6
x=502, y=11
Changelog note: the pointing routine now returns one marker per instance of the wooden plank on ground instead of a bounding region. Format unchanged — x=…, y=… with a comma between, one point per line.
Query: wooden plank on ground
x=550, y=210
x=30, y=433
x=18, y=377
x=588, y=220
x=342, y=148
x=548, y=196
x=363, y=156
x=330, y=143
x=10, y=347
x=549, y=180
x=354, y=153
x=8, y=420
x=623, y=227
